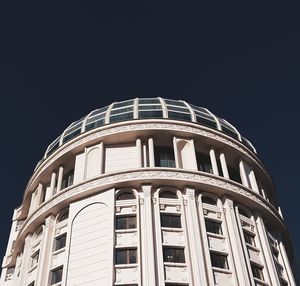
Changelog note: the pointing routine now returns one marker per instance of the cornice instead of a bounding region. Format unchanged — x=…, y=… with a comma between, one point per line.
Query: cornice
x=141, y=176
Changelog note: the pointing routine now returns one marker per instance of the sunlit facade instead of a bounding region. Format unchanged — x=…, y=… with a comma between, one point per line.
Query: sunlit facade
x=149, y=191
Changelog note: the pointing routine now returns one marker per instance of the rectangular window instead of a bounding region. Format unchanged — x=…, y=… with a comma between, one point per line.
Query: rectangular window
x=125, y=222
x=257, y=271
x=219, y=260
x=203, y=163
x=67, y=179
x=126, y=256
x=56, y=275
x=164, y=157
x=172, y=254
x=35, y=258
x=213, y=226
x=60, y=242
x=249, y=238
x=170, y=220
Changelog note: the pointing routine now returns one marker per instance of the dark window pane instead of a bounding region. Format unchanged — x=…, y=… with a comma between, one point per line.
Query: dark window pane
x=126, y=196
x=60, y=242
x=56, y=275
x=203, y=162
x=209, y=200
x=126, y=256
x=122, y=110
x=206, y=122
x=63, y=216
x=249, y=238
x=257, y=271
x=180, y=116
x=234, y=174
x=229, y=132
x=71, y=135
x=150, y=107
x=125, y=222
x=219, y=260
x=67, y=179
x=244, y=213
x=213, y=226
x=149, y=101
x=121, y=117
x=150, y=114
x=164, y=157
x=173, y=255
x=94, y=124
x=168, y=194
x=168, y=220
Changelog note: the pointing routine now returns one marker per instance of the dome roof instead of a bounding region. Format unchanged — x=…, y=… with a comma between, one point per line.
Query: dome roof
x=147, y=108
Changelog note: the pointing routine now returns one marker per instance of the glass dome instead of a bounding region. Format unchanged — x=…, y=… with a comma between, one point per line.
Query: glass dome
x=147, y=108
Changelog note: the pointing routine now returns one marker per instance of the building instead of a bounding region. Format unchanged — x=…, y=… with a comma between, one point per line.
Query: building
x=149, y=192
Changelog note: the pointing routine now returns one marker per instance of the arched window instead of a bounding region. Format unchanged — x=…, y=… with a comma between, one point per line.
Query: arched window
x=63, y=215
x=168, y=195
x=209, y=200
x=126, y=196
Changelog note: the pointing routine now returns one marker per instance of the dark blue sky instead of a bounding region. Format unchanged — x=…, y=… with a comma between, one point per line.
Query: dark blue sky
x=60, y=60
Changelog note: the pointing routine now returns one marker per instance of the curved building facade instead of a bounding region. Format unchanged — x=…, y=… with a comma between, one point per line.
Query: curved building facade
x=149, y=191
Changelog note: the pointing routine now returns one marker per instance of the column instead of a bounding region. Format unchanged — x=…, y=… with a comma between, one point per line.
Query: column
x=52, y=184
x=25, y=260
x=287, y=265
x=45, y=251
x=151, y=152
x=244, y=176
x=224, y=166
x=265, y=248
x=213, y=161
x=139, y=152
x=236, y=245
x=60, y=178
x=147, y=237
x=195, y=242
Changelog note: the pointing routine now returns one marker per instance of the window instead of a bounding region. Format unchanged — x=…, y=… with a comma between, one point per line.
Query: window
x=60, y=242
x=219, y=260
x=35, y=258
x=203, y=163
x=213, y=226
x=56, y=275
x=126, y=256
x=31, y=284
x=170, y=220
x=234, y=174
x=249, y=238
x=168, y=195
x=172, y=254
x=67, y=179
x=208, y=200
x=164, y=157
x=244, y=213
x=63, y=216
x=257, y=271
x=125, y=222
x=126, y=196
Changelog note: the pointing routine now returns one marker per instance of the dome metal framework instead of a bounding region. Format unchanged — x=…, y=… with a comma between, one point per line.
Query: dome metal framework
x=147, y=108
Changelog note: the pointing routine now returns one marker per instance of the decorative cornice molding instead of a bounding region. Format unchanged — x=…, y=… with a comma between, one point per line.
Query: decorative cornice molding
x=132, y=126
x=107, y=181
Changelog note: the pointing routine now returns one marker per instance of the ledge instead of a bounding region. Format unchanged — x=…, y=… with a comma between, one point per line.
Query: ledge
x=156, y=176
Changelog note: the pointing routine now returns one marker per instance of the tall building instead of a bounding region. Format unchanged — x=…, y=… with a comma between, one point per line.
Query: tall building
x=149, y=191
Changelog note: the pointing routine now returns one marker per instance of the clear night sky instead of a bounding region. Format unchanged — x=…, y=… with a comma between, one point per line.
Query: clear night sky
x=59, y=61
